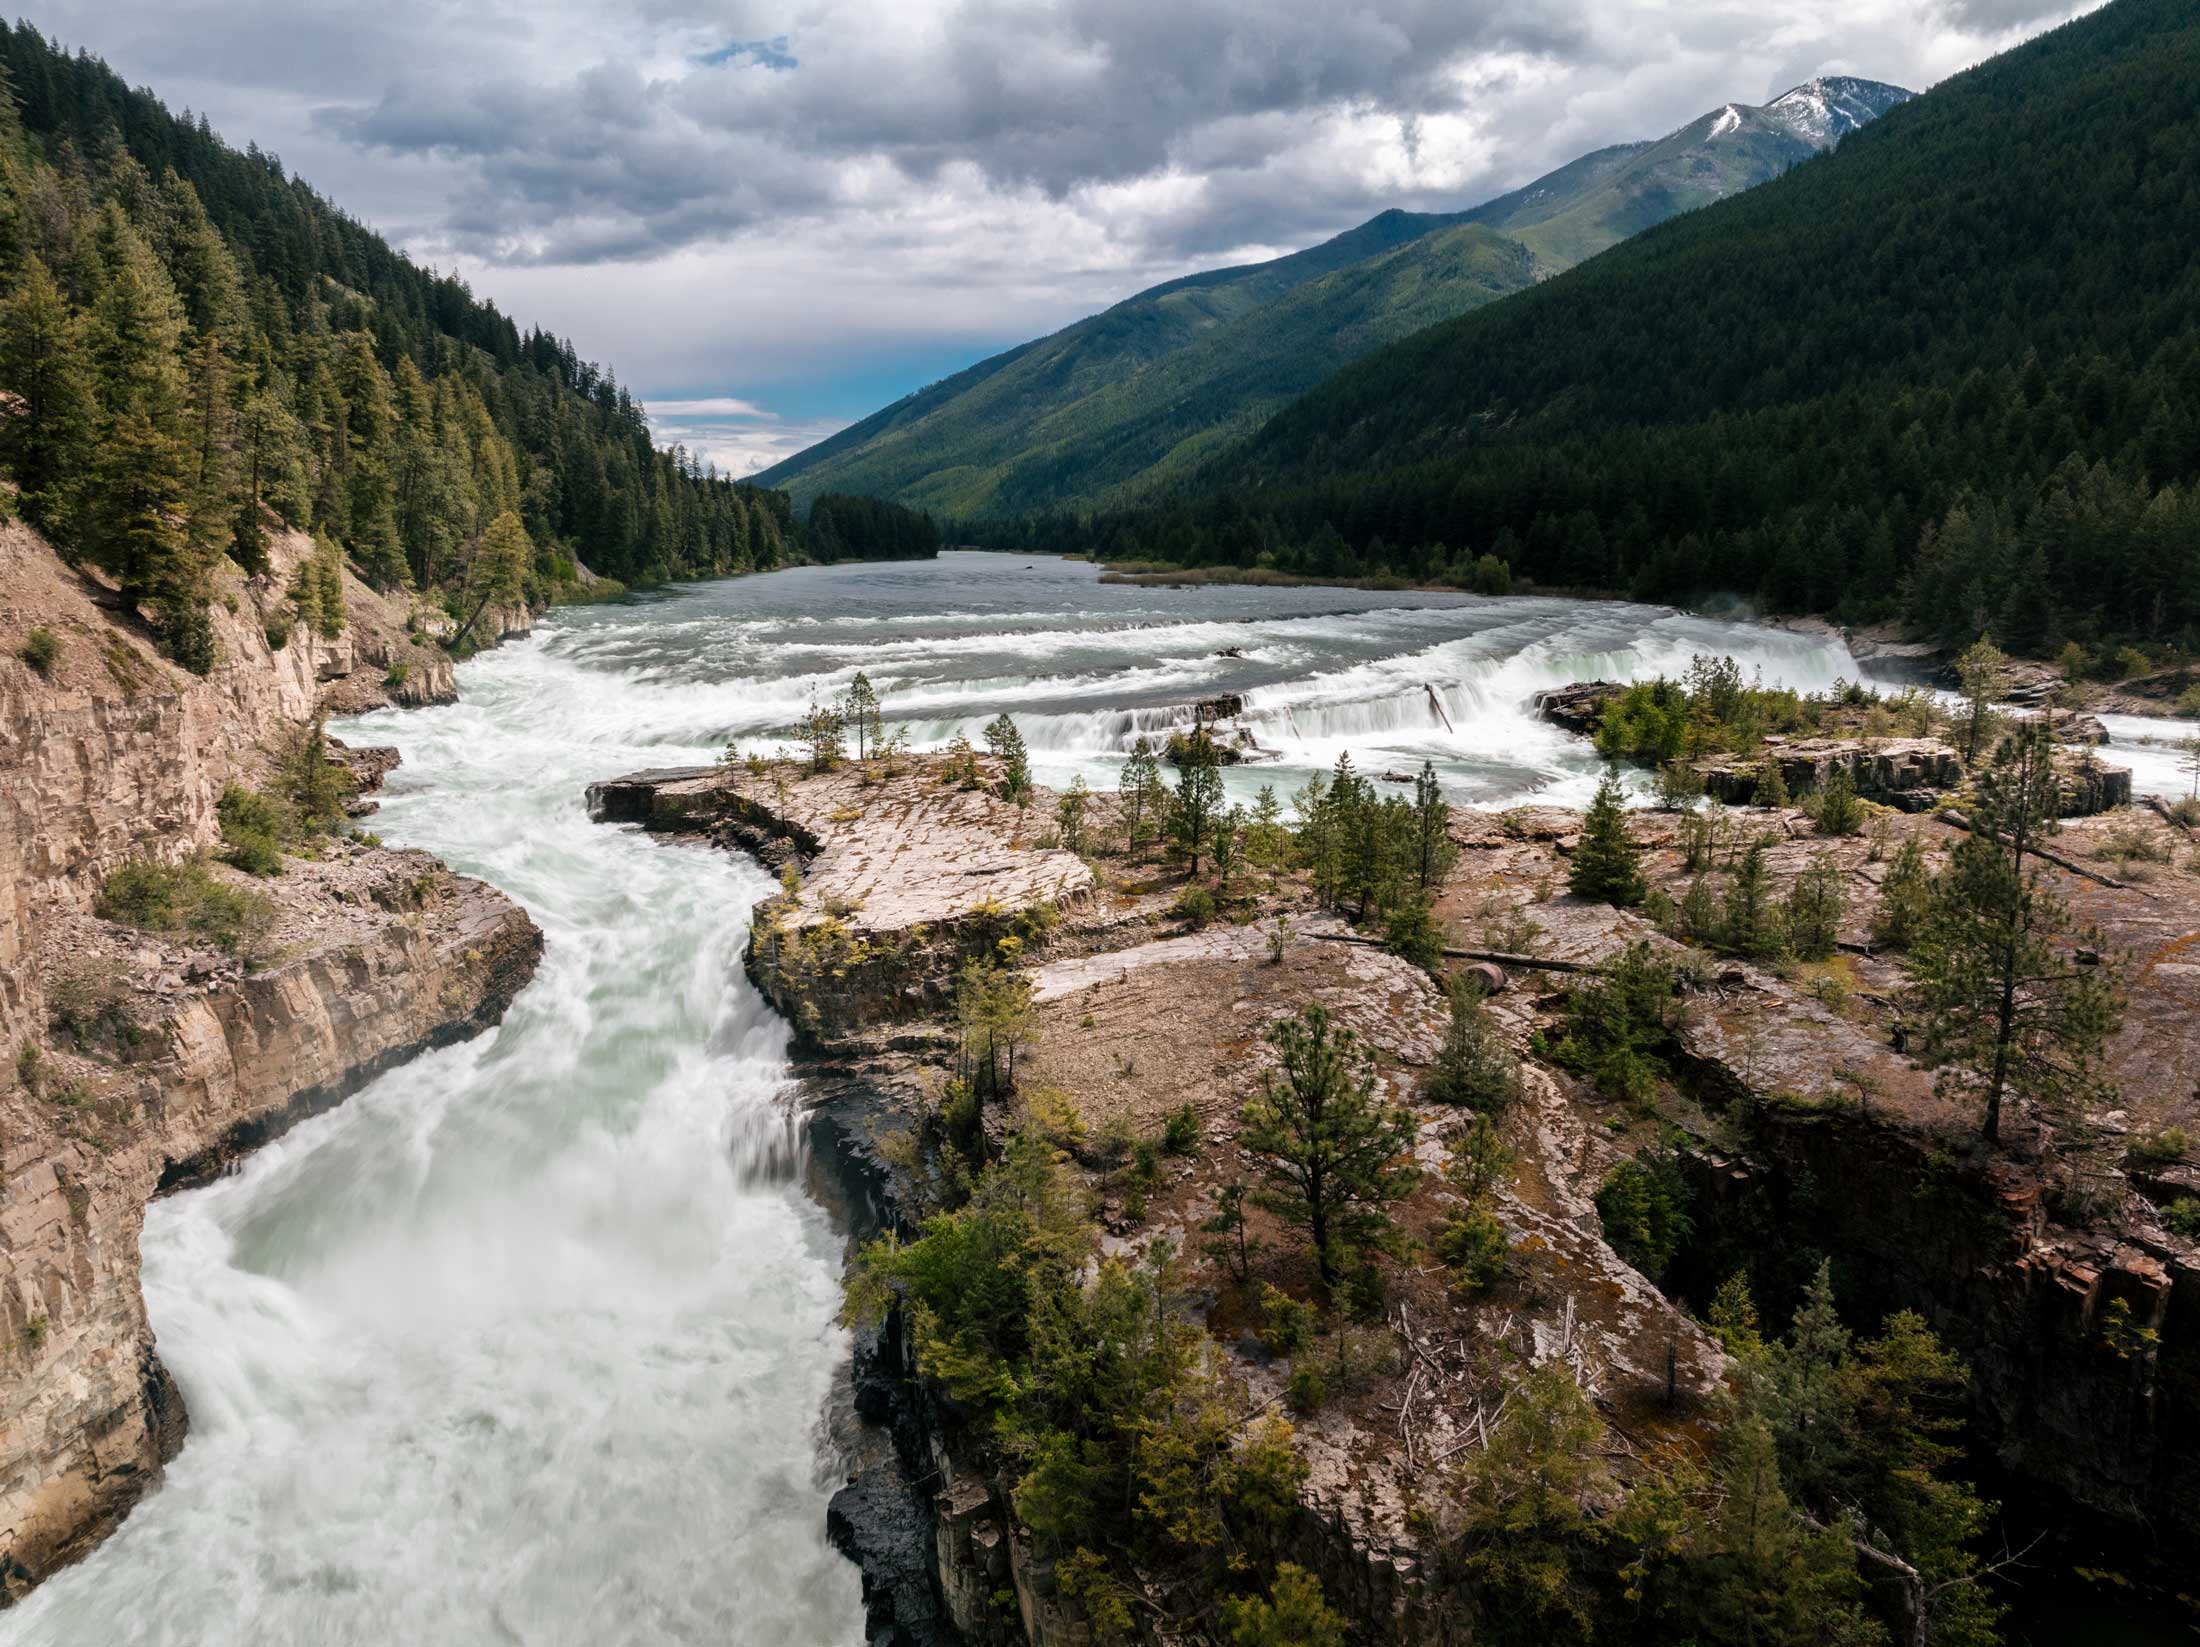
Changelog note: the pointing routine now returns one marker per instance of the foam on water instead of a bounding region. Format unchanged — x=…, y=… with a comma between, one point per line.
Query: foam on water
x=531, y=1340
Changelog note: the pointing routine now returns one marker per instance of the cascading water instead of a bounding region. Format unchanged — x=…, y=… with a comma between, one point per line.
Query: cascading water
x=530, y=1341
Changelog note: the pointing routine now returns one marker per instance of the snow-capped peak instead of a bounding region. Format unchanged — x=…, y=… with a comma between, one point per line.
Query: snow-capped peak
x=1730, y=119
x=1823, y=111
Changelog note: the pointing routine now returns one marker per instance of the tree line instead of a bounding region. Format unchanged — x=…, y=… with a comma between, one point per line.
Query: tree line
x=196, y=348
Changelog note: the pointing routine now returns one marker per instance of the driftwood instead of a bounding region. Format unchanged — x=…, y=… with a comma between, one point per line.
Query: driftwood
x=2167, y=816
x=1956, y=820
x=1496, y=956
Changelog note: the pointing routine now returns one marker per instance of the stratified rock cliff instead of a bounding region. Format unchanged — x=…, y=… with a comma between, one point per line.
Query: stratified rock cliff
x=137, y=1063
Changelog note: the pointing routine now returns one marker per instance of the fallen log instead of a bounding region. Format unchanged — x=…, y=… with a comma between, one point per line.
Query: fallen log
x=1956, y=820
x=1496, y=956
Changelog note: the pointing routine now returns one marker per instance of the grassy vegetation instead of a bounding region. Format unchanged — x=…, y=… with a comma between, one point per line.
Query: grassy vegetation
x=302, y=802
x=41, y=649
x=187, y=899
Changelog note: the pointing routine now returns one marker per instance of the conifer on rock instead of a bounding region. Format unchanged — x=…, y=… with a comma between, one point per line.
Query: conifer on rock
x=1607, y=866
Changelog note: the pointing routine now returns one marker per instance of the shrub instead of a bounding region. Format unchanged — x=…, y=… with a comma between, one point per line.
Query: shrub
x=1145, y=1164
x=1643, y=1206
x=2182, y=1217
x=1474, y=1066
x=2161, y=1149
x=397, y=674
x=253, y=829
x=1619, y=1025
x=89, y=1005
x=1294, y=1615
x=1473, y=1248
x=1285, y=1321
x=1307, y=1389
x=41, y=649
x=1196, y=907
x=1180, y=1133
x=1833, y=808
x=186, y=898
x=1772, y=789
x=1679, y=786
x=1413, y=935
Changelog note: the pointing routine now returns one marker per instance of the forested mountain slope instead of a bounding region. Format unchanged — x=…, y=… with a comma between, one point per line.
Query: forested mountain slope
x=1113, y=407
x=194, y=347
x=1952, y=368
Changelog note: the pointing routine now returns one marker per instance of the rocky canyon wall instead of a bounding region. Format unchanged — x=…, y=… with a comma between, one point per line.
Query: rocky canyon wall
x=137, y=1062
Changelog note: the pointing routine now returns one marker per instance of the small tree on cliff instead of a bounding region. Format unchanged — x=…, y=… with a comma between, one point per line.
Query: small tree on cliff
x=822, y=732
x=1198, y=804
x=1607, y=867
x=1332, y=1154
x=496, y=572
x=2004, y=1009
x=1433, y=852
x=993, y=1021
x=1983, y=670
x=1142, y=793
x=1007, y=745
x=859, y=710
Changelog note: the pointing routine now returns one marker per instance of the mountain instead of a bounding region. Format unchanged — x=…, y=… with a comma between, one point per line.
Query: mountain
x=1951, y=370
x=1112, y=407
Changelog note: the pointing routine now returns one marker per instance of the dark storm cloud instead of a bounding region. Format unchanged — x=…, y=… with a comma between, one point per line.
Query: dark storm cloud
x=631, y=161
x=792, y=188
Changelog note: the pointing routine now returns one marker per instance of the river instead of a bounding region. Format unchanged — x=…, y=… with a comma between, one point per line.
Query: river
x=532, y=1339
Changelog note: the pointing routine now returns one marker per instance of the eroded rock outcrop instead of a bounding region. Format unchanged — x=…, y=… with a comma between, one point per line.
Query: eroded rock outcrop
x=901, y=874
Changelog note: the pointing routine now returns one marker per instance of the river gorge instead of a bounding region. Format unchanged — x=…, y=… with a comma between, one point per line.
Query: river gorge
x=535, y=1339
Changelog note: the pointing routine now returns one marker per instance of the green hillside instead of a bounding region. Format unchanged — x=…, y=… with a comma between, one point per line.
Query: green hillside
x=1951, y=369
x=1108, y=410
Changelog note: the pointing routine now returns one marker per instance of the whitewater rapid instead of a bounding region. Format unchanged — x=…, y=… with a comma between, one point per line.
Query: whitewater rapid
x=531, y=1340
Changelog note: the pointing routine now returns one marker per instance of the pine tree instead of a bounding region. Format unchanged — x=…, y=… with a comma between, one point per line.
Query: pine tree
x=859, y=704
x=1607, y=866
x=1984, y=673
x=1905, y=897
x=1197, y=806
x=1833, y=806
x=1814, y=907
x=496, y=572
x=140, y=479
x=45, y=442
x=2006, y=1011
x=1753, y=925
x=1474, y=1067
x=1433, y=851
x=1140, y=777
x=1007, y=747
x=1333, y=1155
x=1069, y=814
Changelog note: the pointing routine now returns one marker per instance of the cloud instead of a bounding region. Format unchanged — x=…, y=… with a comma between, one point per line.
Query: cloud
x=753, y=200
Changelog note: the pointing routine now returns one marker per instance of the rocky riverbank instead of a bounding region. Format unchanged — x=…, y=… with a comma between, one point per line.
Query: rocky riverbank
x=1138, y=1019
x=139, y=1062
x=1802, y=1128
